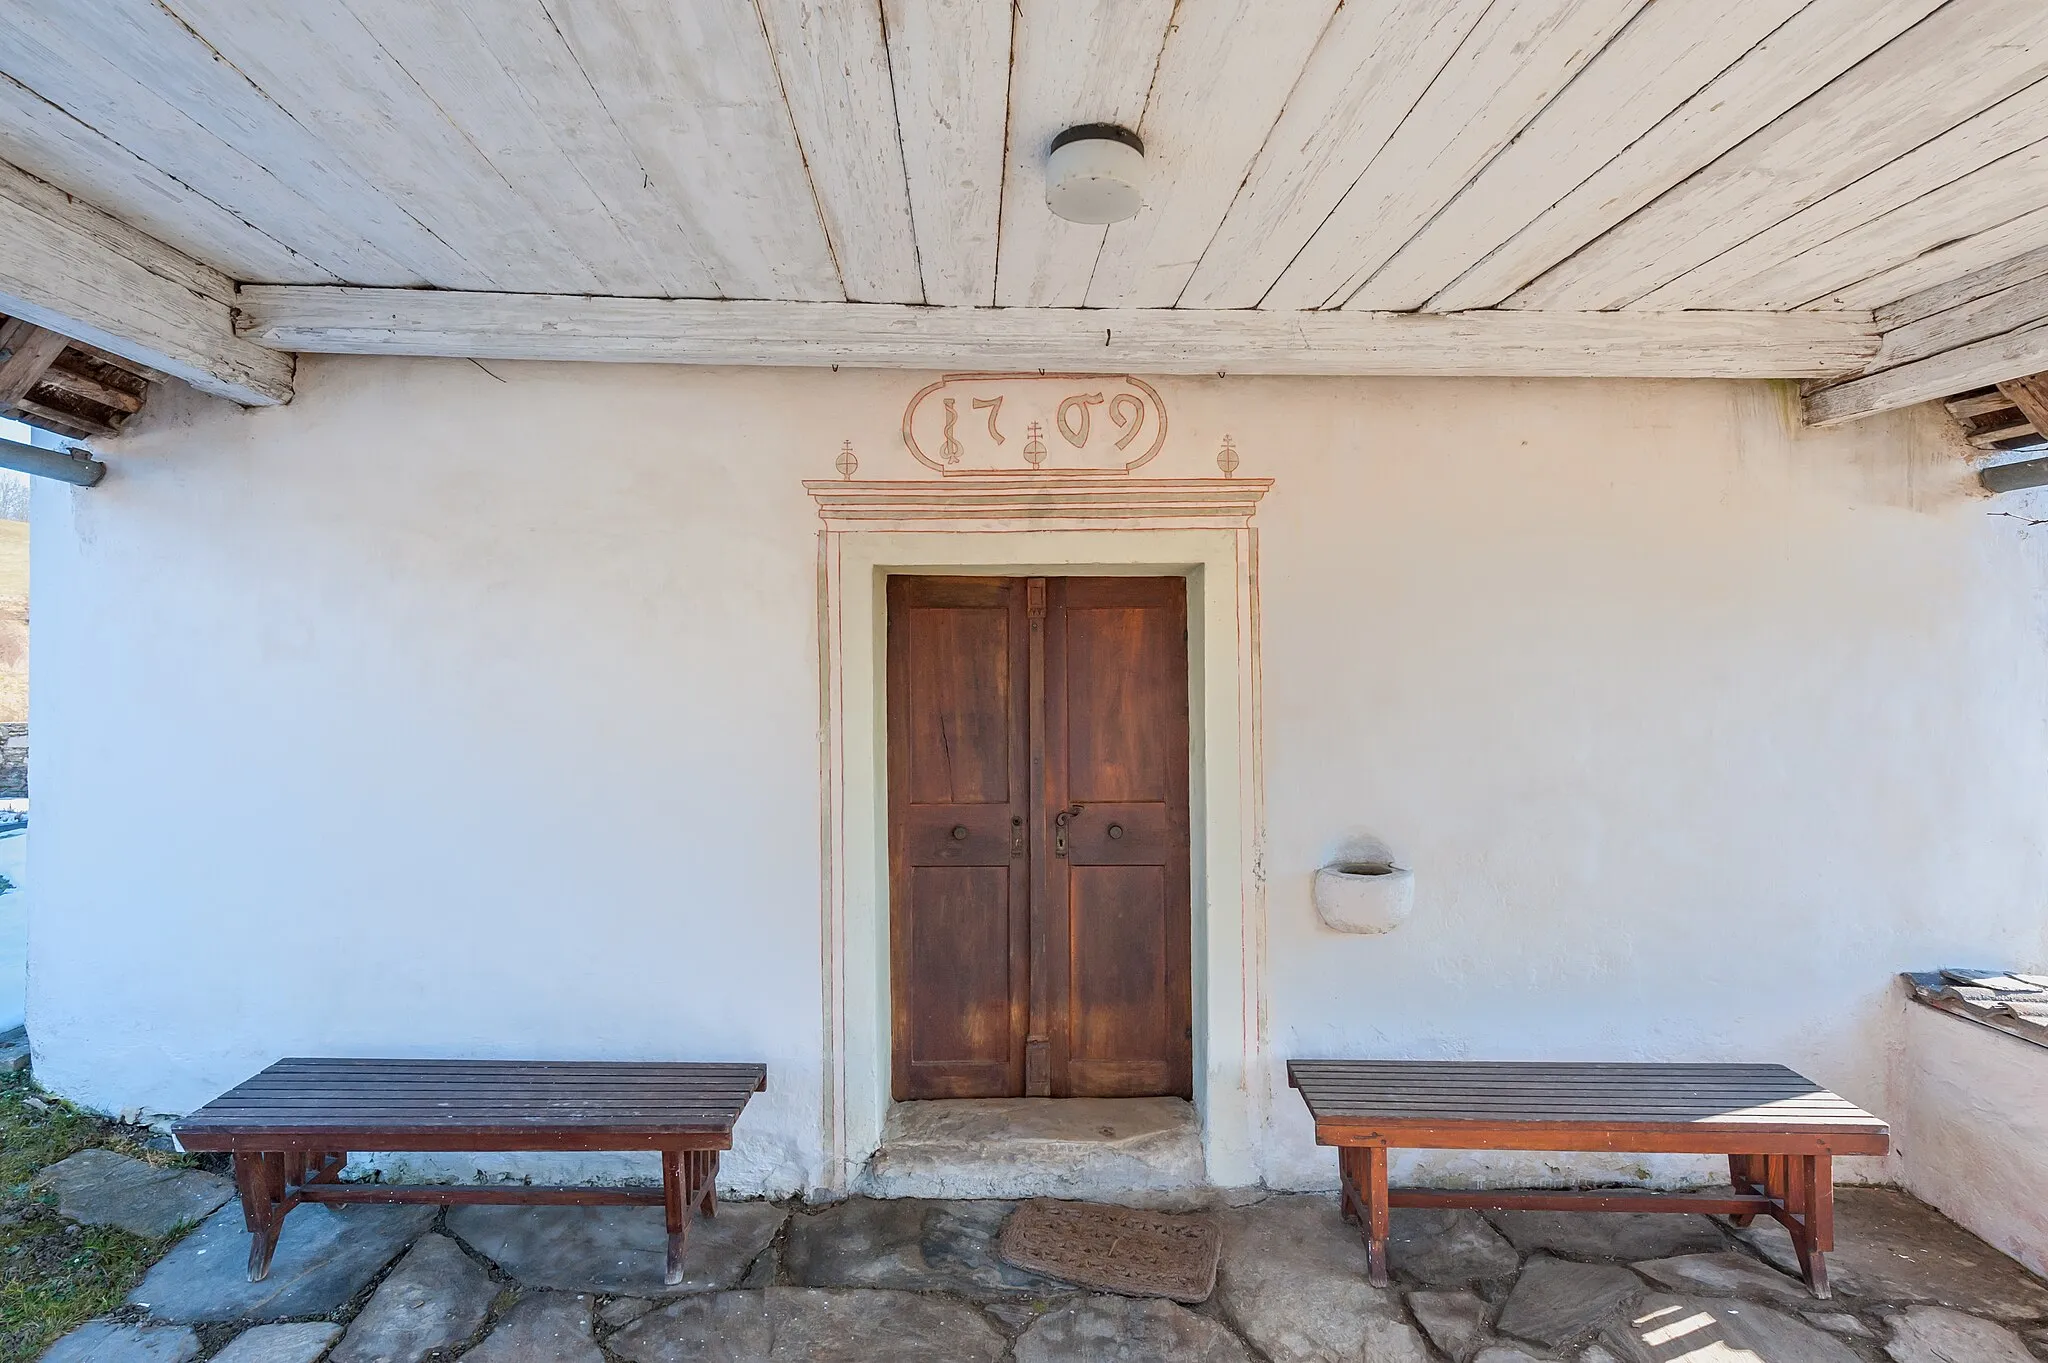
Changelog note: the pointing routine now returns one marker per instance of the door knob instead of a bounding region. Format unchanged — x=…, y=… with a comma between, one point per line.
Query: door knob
x=1116, y=830
x=959, y=832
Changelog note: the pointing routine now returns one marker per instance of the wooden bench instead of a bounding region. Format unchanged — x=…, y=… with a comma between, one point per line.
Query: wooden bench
x=1779, y=1130
x=291, y=1127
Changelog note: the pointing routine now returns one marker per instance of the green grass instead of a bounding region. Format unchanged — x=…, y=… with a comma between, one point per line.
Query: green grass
x=55, y=1275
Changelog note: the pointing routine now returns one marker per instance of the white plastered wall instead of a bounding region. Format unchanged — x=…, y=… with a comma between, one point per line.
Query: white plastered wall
x=454, y=711
x=1971, y=1127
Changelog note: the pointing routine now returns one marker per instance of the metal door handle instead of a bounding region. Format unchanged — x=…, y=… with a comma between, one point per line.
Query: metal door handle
x=1059, y=827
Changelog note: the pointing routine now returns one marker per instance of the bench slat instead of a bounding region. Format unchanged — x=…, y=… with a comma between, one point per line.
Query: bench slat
x=1554, y=1093
x=497, y=1101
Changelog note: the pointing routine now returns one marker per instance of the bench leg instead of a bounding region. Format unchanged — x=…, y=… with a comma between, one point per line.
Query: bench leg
x=1814, y=1235
x=704, y=1183
x=1362, y=1171
x=260, y=1178
x=676, y=1166
x=1742, y=1173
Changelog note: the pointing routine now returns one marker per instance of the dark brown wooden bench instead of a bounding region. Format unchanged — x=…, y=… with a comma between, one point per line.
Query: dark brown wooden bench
x=1779, y=1130
x=291, y=1127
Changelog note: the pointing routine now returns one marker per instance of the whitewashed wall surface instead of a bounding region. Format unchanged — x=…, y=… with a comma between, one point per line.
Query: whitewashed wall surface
x=1695, y=725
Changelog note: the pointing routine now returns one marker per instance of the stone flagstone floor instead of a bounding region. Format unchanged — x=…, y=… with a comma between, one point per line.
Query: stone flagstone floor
x=918, y=1282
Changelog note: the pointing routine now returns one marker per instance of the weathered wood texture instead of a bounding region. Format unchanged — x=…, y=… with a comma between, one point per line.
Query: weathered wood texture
x=2030, y=396
x=1158, y=340
x=291, y=1126
x=50, y=381
x=1039, y=842
x=1982, y=328
x=959, y=806
x=1567, y=156
x=1779, y=1130
x=1989, y=361
x=72, y=269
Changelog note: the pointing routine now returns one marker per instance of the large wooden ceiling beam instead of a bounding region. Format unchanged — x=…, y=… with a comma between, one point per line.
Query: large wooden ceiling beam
x=1155, y=340
x=1990, y=361
x=71, y=269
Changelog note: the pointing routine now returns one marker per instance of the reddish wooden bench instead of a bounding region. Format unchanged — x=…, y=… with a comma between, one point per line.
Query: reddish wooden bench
x=291, y=1127
x=1779, y=1130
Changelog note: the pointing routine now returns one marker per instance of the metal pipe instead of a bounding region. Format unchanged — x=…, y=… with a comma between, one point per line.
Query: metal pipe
x=2013, y=477
x=41, y=463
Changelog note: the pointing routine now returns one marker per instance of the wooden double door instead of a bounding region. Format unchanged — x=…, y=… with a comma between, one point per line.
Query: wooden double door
x=1038, y=837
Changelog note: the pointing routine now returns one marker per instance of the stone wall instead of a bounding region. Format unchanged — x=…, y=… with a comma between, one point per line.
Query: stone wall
x=13, y=761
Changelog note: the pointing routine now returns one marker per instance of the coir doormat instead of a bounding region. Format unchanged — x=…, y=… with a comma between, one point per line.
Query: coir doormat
x=1117, y=1249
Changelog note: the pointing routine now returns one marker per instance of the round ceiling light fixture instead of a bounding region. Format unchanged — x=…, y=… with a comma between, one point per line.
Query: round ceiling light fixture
x=1096, y=174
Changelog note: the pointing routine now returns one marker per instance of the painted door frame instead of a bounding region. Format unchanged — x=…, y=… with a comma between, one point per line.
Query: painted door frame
x=929, y=531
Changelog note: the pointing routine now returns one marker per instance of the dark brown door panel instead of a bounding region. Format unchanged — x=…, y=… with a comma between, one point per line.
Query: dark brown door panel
x=1038, y=837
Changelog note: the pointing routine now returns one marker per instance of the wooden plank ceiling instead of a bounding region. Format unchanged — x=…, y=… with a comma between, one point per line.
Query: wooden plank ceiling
x=1413, y=154
x=1844, y=157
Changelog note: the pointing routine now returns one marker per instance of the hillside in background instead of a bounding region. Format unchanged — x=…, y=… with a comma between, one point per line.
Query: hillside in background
x=13, y=622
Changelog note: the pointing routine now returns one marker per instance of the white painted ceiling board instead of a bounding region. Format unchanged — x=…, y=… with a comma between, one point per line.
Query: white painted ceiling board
x=1954, y=293
x=49, y=143
x=1072, y=61
x=1223, y=78
x=1966, y=57
x=2019, y=305
x=1521, y=55
x=439, y=48
x=1144, y=340
x=337, y=79
x=1987, y=248
x=94, y=229
x=949, y=61
x=1769, y=266
x=835, y=79
x=129, y=69
x=1665, y=55
x=694, y=89
x=2007, y=188
x=523, y=40
x=1812, y=48
x=1373, y=63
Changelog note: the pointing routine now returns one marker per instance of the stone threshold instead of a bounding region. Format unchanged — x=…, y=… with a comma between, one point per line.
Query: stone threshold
x=1141, y=1152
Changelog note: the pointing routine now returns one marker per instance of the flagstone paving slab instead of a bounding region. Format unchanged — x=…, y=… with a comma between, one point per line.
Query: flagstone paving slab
x=1105, y=1329
x=811, y=1325
x=1891, y=1247
x=105, y=1341
x=609, y=1250
x=1838, y=1323
x=1935, y=1334
x=547, y=1327
x=623, y=1311
x=912, y=1245
x=299, y=1342
x=101, y=1188
x=437, y=1297
x=1556, y=1300
x=1668, y=1329
x=1730, y=1273
x=1507, y=1353
x=1446, y=1248
x=325, y=1256
x=1452, y=1320
x=1610, y=1235
x=1292, y=1280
